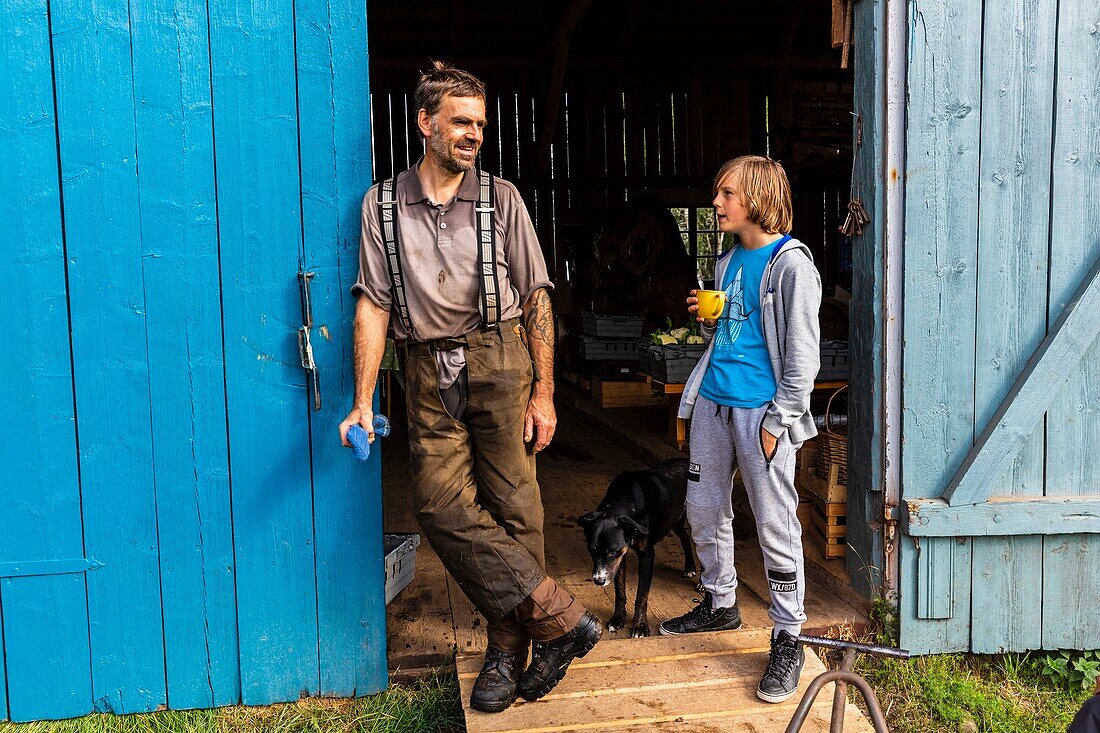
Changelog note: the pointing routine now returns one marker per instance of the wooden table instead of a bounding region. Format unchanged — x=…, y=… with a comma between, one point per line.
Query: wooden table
x=677, y=434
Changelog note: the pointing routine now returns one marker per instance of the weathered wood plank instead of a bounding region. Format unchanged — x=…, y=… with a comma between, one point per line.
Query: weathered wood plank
x=40, y=447
x=1004, y=517
x=1071, y=564
x=1013, y=198
x=186, y=377
x=3, y=668
x=865, y=466
x=1022, y=409
x=260, y=229
x=941, y=227
x=332, y=78
x=98, y=149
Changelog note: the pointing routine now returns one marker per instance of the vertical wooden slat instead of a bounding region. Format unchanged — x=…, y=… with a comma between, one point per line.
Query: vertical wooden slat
x=40, y=446
x=96, y=109
x=1013, y=201
x=635, y=115
x=380, y=137
x=260, y=230
x=3, y=668
x=332, y=78
x=865, y=468
x=186, y=371
x=681, y=132
x=941, y=224
x=1071, y=563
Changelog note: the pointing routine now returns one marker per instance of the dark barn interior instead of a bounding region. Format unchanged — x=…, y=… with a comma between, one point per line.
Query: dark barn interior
x=601, y=112
x=612, y=118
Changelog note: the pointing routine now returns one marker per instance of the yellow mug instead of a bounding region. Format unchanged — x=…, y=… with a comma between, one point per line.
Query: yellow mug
x=711, y=303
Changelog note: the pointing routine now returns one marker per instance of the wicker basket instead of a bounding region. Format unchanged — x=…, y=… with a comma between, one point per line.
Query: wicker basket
x=832, y=446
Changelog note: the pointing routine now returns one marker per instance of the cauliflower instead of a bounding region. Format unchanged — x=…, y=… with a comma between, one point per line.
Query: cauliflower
x=665, y=339
x=695, y=340
x=678, y=334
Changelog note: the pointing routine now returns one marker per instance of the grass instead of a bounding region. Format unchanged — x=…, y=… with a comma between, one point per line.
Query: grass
x=426, y=706
x=949, y=693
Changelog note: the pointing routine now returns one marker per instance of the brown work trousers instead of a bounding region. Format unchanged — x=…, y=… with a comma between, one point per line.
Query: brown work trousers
x=475, y=491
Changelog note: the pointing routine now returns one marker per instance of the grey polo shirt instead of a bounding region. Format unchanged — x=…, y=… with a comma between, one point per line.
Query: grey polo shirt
x=439, y=257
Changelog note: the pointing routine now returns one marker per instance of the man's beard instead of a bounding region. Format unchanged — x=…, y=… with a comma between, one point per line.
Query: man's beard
x=442, y=152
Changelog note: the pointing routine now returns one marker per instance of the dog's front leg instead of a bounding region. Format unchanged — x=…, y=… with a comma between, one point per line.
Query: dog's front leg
x=681, y=530
x=641, y=602
x=618, y=619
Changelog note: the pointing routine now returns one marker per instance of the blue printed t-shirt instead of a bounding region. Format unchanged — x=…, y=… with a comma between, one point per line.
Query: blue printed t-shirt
x=740, y=372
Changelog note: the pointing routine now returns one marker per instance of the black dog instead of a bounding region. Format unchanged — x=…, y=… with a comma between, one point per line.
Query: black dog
x=639, y=509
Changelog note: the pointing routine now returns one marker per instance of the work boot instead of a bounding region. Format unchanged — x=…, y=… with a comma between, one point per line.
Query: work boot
x=785, y=662
x=495, y=687
x=550, y=659
x=704, y=617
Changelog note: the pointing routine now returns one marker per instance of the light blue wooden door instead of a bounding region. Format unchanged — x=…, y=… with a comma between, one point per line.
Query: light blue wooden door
x=1001, y=391
x=180, y=528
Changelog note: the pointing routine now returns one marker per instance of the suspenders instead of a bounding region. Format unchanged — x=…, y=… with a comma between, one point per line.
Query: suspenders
x=484, y=213
x=487, y=249
x=387, y=219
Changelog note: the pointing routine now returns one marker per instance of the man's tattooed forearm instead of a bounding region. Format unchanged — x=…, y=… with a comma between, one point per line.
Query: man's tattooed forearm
x=540, y=317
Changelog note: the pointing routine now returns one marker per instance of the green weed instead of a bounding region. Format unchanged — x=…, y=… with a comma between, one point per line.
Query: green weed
x=1070, y=669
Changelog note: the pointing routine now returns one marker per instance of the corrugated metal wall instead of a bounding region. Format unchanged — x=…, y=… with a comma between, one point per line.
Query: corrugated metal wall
x=1002, y=225
x=177, y=527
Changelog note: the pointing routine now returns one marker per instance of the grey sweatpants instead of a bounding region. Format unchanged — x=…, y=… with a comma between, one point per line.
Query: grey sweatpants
x=724, y=438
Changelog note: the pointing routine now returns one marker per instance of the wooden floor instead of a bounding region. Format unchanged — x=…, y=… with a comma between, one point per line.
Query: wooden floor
x=702, y=683
x=431, y=620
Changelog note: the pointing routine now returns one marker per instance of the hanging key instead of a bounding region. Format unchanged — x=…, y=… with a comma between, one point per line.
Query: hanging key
x=305, y=348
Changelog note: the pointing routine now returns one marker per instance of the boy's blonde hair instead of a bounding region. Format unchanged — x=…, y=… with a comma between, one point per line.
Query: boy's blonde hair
x=765, y=191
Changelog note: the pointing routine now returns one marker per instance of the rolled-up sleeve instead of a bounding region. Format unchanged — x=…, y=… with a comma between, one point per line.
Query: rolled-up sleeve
x=374, y=275
x=526, y=264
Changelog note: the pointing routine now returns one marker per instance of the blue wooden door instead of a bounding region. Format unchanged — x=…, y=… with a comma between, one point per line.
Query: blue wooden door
x=1001, y=391
x=178, y=528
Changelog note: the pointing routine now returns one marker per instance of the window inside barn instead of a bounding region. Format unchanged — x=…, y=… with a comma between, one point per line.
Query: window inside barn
x=699, y=230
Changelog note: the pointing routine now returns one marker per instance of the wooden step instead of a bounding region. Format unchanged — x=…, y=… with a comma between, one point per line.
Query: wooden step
x=700, y=682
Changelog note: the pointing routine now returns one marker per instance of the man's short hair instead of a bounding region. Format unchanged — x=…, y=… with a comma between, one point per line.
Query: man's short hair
x=765, y=191
x=443, y=79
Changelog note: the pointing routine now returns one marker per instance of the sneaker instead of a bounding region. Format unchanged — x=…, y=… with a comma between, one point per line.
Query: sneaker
x=495, y=687
x=704, y=617
x=785, y=662
x=550, y=659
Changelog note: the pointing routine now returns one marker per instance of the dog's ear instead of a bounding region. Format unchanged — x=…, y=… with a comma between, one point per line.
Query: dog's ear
x=627, y=523
x=587, y=519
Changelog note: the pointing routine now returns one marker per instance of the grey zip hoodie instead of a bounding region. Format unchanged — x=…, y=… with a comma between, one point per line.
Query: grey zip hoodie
x=790, y=297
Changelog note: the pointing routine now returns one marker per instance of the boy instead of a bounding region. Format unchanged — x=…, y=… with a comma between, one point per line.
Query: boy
x=749, y=400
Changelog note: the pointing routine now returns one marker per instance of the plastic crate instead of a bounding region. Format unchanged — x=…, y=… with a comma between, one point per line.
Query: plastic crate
x=594, y=349
x=617, y=327
x=400, y=561
x=672, y=364
x=834, y=360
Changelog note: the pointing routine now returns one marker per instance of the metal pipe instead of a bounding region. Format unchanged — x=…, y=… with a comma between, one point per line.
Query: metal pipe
x=896, y=62
x=873, y=707
x=880, y=651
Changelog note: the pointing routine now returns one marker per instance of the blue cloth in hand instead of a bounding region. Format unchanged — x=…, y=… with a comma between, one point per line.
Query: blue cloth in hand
x=360, y=441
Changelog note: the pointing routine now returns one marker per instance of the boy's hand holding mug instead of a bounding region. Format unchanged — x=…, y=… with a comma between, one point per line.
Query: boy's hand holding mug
x=706, y=306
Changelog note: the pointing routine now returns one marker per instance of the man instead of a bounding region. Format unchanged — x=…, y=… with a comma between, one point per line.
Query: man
x=453, y=254
x=1087, y=719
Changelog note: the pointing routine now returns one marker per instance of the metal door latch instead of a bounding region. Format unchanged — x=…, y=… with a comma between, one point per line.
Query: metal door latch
x=305, y=348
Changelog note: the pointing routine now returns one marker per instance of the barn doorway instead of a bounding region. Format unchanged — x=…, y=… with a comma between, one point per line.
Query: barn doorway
x=612, y=119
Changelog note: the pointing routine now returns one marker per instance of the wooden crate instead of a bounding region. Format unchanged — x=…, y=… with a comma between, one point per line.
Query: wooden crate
x=624, y=394
x=831, y=547
x=830, y=525
x=829, y=490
